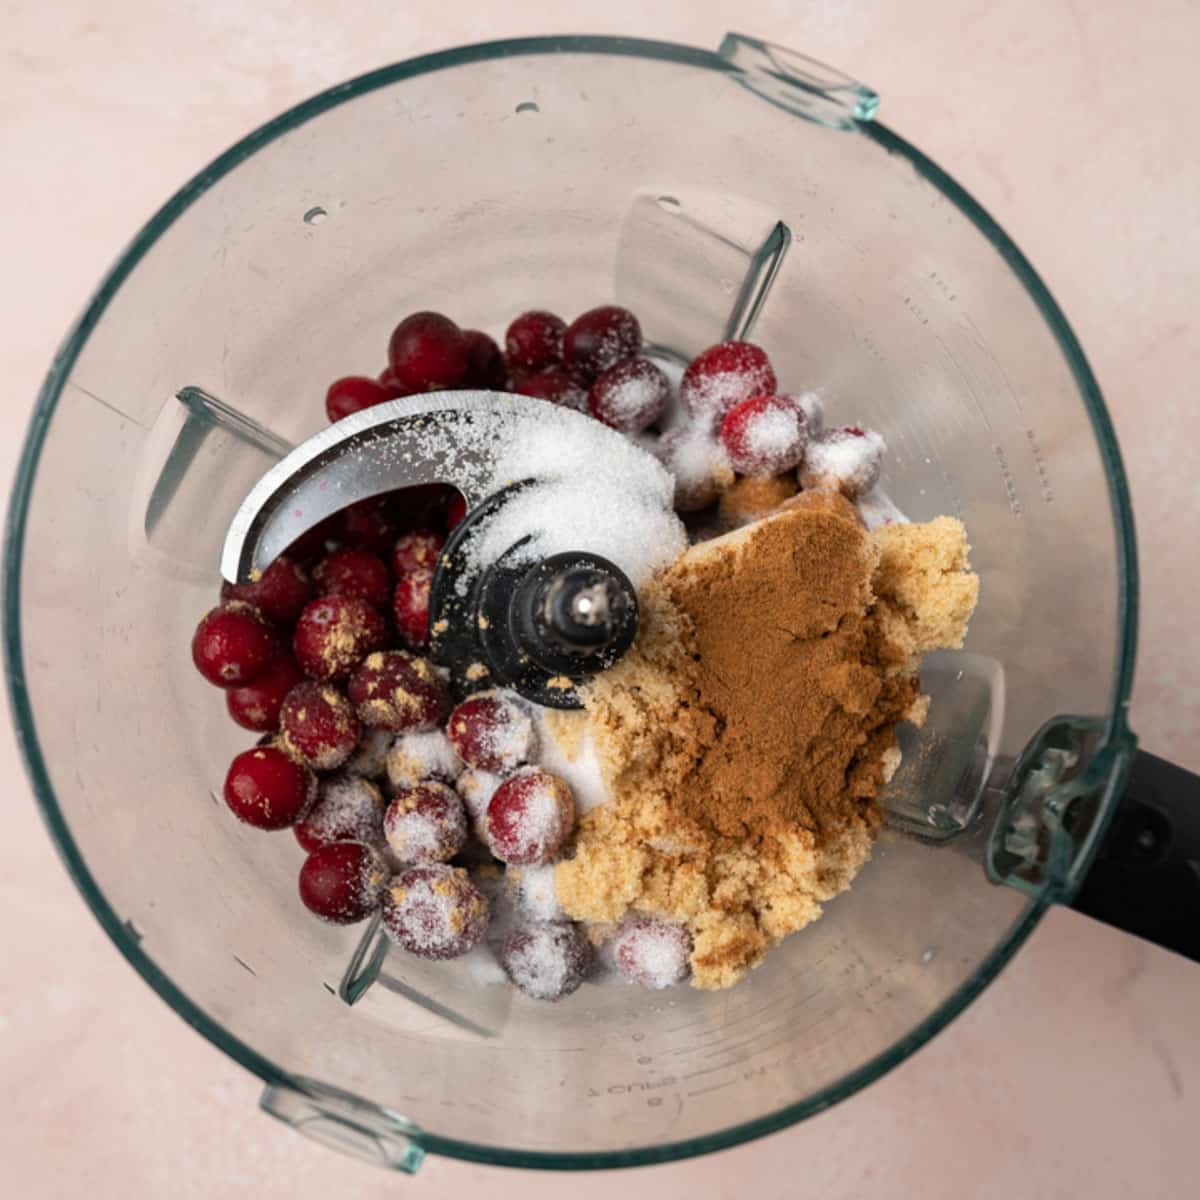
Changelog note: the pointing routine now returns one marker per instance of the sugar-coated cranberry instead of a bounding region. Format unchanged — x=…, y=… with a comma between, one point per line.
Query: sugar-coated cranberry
x=554, y=385
x=653, y=952
x=267, y=789
x=279, y=593
x=546, y=961
x=417, y=756
x=427, y=350
x=397, y=691
x=534, y=341
x=600, y=338
x=813, y=410
x=477, y=787
x=417, y=550
x=233, y=645
x=455, y=510
x=425, y=823
x=367, y=524
x=318, y=725
x=697, y=460
x=849, y=459
x=435, y=911
x=530, y=817
x=348, y=809
x=725, y=374
x=369, y=759
x=485, y=363
x=764, y=435
x=410, y=607
x=343, y=882
x=335, y=633
x=629, y=396
x=351, y=571
x=492, y=731
x=256, y=705
x=354, y=393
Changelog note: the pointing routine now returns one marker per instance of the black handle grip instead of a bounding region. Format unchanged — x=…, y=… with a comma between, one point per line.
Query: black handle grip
x=1146, y=877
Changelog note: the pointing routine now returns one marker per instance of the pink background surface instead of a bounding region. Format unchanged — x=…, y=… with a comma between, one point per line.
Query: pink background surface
x=1078, y=1073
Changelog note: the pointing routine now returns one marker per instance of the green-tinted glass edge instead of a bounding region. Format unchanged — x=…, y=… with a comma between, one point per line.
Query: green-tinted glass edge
x=14, y=539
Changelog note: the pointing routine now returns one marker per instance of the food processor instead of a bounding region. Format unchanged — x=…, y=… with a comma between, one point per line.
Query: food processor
x=743, y=192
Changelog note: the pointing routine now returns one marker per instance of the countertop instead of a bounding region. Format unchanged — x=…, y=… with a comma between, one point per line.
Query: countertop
x=1078, y=1072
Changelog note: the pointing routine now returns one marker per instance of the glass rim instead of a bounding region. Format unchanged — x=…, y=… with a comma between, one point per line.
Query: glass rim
x=127, y=939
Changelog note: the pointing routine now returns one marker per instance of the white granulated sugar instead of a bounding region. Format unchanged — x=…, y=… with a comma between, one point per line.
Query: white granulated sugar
x=513, y=739
x=697, y=460
x=582, y=772
x=416, y=756
x=774, y=432
x=876, y=508
x=845, y=460
x=809, y=403
x=476, y=788
x=533, y=892
x=482, y=966
x=370, y=757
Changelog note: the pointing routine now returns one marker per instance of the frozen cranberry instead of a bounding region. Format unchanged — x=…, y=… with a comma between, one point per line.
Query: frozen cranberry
x=353, y=394
x=422, y=755
x=256, y=705
x=721, y=376
x=546, y=961
x=599, y=339
x=492, y=731
x=335, y=633
x=368, y=524
x=534, y=341
x=455, y=510
x=485, y=363
x=533, y=892
x=387, y=377
x=435, y=911
x=354, y=572
x=233, y=645
x=410, y=607
x=764, y=435
x=343, y=882
x=813, y=410
x=370, y=755
x=554, y=385
x=698, y=462
x=396, y=690
x=279, y=593
x=425, y=823
x=267, y=789
x=415, y=551
x=653, y=952
x=318, y=725
x=530, y=817
x=348, y=809
x=630, y=396
x=849, y=459
x=477, y=788
x=427, y=351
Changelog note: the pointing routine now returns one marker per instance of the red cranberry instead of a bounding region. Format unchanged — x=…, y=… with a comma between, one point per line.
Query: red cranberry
x=653, y=952
x=530, y=818
x=554, y=385
x=398, y=691
x=725, y=374
x=387, y=377
x=279, y=593
x=354, y=572
x=455, y=510
x=318, y=725
x=420, y=507
x=492, y=731
x=418, y=550
x=630, y=396
x=343, y=882
x=599, y=339
x=348, y=809
x=410, y=607
x=233, y=645
x=421, y=755
x=335, y=633
x=256, y=706
x=764, y=435
x=435, y=911
x=353, y=394
x=547, y=961
x=427, y=351
x=534, y=341
x=849, y=459
x=485, y=363
x=267, y=789
x=425, y=823
x=369, y=525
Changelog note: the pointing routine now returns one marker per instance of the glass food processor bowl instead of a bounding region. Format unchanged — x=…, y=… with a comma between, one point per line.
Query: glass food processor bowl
x=746, y=192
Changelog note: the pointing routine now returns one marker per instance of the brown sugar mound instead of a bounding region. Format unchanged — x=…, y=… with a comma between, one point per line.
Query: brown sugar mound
x=747, y=733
